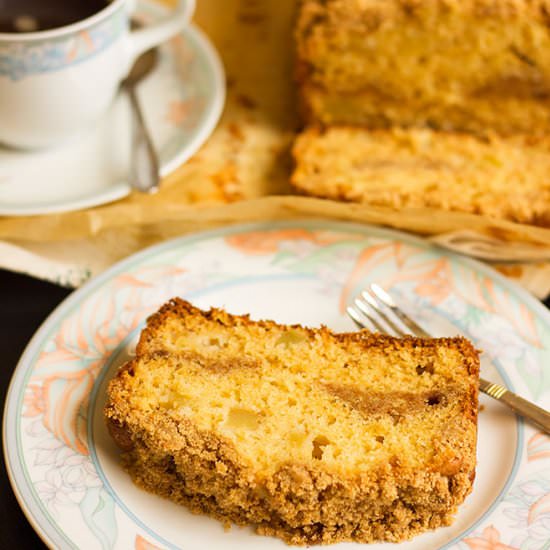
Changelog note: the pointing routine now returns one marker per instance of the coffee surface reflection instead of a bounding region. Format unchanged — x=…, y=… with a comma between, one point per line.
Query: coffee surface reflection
x=20, y=16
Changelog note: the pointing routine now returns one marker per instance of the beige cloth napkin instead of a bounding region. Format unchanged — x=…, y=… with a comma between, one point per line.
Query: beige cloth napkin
x=241, y=174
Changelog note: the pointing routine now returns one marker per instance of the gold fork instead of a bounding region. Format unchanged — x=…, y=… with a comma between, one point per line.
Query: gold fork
x=376, y=311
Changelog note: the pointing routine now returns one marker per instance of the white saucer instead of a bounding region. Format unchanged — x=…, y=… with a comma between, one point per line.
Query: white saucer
x=182, y=100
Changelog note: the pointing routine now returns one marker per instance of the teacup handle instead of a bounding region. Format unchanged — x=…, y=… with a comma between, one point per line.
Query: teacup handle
x=150, y=36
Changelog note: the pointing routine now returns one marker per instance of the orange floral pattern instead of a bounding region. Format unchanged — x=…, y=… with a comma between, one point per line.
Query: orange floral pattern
x=267, y=242
x=66, y=371
x=538, y=447
x=144, y=544
x=489, y=540
x=270, y=241
x=539, y=508
x=367, y=259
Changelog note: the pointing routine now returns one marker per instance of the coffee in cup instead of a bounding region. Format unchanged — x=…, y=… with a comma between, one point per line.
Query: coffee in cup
x=37, y=15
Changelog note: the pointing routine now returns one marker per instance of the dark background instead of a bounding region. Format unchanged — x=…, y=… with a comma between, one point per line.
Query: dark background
x=24, y=304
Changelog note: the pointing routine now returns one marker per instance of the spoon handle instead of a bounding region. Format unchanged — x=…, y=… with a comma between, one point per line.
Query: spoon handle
x=144, y=166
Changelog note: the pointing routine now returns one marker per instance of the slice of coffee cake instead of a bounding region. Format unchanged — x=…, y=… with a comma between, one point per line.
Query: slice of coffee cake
x=311, y=436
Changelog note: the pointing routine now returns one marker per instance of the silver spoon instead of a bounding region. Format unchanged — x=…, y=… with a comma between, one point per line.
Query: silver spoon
x=144, y=165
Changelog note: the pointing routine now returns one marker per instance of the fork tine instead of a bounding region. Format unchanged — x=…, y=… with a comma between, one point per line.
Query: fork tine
x=381, y=294
x=369, y=313
x=360, y=320
x=356, y=318
x=382, y=311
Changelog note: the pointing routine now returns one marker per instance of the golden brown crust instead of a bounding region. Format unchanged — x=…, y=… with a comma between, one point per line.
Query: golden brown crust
x=405, y=62
x=179, y=309
x=121, y=434
x=500, y=177
x=335, y=511
x=303, y=503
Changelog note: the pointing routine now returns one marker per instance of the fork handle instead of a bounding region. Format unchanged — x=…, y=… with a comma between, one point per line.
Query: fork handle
x=528, y=410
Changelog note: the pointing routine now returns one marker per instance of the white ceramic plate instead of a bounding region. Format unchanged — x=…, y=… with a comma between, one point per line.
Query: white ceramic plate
x=64, y=467
x=182, y=100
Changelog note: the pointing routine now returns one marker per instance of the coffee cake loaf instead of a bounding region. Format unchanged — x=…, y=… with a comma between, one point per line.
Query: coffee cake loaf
x=501, y=177
x=308, y=435
x=448, y=64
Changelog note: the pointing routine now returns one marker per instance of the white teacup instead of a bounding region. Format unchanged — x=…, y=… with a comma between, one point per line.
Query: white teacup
x=56, y=82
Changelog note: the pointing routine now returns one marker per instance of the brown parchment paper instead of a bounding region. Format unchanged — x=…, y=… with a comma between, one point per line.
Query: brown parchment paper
x=241, y=173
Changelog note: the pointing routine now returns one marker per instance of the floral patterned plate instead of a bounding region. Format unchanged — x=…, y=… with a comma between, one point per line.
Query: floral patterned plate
x=64, y=467
x=182, y=100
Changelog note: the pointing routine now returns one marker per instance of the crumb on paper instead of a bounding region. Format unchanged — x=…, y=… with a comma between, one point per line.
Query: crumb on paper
x=235, y=130
x=227, y=183
x=481, y=408
x=231, y=192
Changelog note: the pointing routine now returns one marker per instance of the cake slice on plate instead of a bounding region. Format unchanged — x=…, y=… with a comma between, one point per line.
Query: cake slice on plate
x=308, y=435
